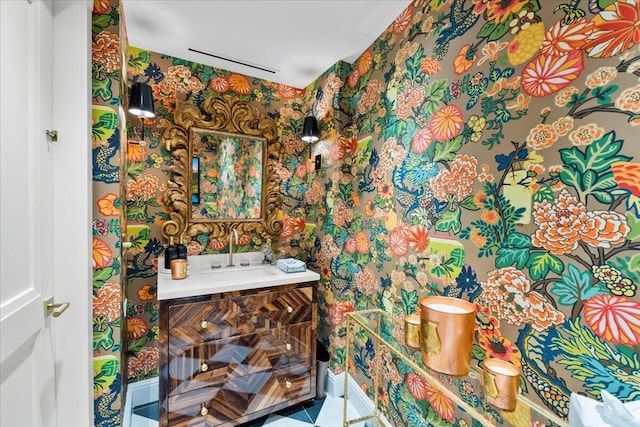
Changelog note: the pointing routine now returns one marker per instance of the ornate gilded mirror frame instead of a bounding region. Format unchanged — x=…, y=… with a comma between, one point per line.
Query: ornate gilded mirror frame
x=223, y=114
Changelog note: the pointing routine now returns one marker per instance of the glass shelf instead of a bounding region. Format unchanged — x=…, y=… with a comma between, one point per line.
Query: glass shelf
x=376, y=338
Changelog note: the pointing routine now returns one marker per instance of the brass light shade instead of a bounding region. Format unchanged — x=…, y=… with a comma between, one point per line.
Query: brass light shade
x=310, y=131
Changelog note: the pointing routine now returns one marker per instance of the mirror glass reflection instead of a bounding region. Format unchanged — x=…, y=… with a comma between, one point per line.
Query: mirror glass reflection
x=227, y=175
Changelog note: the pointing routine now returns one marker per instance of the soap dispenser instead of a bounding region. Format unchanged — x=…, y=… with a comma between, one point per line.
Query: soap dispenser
x=182, y=249
x=170, y=253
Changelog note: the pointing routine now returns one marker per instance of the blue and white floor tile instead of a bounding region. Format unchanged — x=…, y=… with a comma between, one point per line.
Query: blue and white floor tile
x=325, y=412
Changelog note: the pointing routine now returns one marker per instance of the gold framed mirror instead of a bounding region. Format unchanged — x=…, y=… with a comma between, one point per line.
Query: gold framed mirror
x=223, y=175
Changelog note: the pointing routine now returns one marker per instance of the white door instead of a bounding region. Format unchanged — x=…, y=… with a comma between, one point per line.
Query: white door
x=42, y=358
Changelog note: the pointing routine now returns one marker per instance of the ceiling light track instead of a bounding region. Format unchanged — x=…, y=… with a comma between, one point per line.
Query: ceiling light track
x=233, y=60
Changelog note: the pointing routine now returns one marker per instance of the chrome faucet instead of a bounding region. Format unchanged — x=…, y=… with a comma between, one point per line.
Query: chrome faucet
x=232, y=233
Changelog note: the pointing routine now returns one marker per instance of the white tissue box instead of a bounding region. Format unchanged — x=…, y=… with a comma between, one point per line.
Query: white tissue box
x=586, y=412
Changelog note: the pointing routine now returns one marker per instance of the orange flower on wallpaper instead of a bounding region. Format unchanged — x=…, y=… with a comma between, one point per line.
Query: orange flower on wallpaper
x=402, y=21
x=362, y=242
x=286, y=91
x=498, y=347
x=476, y=238
x=144, y=362
x=563, y=125
x=601, y=77
x=613, y=318
x=106, y=205
x=144, y=186
x=337, y=312
x=417, y=386
x=101, y=254
x=136, y=152
x=430, y=66
x=586, y=134
x=136, y=327
x=541, y=136
x=443, y=406
x=101, y=6
x=457, y=180
x=420, y=389
x=105, y=51
x=562, y=38
x=239, y=84
x=629, y=99
x=548, y=74
x=615, y=29
x=219, y=84
x=529, y=307
x=364, y=62
x=627, y=176
x=604, y=229
x=343, y=146
x=164, y=93
x=217, y=244
x=559, y=223
x=446, y=123
x=489, y=216
x=464, y=60
x=398, y=242
x=144, y=293
x=421, y=140
x=419, y=238
x=290, y=225
x=107, y=302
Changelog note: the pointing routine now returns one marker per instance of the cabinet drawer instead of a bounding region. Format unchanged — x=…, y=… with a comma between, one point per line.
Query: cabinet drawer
x=240, y=397
x=213, y=363
x=198, y=322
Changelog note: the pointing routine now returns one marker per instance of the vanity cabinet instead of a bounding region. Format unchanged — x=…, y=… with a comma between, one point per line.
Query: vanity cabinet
x=231, y=357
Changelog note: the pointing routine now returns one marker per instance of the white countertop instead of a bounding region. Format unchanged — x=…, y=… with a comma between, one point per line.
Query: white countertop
x=204, y=280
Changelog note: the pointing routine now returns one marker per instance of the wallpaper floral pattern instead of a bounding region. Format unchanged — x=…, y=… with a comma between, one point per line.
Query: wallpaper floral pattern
x=478, y=149
x=108, y=44
x=484, y=150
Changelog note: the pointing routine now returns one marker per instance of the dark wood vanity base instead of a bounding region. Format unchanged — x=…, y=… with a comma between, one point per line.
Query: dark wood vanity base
x=232, y=357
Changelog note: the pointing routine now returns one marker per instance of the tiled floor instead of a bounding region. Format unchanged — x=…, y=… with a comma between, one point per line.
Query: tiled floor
x=326, y=412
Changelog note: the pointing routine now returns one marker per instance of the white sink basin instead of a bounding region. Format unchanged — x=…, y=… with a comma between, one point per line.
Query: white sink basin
x=240, y=272
x=204, y=280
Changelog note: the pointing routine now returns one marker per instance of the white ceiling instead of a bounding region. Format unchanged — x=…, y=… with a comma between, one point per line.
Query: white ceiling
x=298, y=39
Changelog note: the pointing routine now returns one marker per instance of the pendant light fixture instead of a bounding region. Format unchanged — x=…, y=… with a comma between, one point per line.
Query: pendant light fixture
x=310, y=131
x=141, y=103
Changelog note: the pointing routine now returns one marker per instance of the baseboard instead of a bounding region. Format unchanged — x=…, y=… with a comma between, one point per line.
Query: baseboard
x=139, y=393
x=357, y=397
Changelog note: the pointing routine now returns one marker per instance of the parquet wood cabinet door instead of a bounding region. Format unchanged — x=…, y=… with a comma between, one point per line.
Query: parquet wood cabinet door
x=229, y=358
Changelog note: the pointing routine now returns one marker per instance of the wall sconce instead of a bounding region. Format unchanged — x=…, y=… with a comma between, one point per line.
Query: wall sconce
x=310, y=131
x=141, y=103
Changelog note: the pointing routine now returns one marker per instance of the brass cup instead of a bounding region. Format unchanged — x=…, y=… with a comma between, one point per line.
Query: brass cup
x=446, y=334
x=412, y=330
x=501, y=382
x=178, y=269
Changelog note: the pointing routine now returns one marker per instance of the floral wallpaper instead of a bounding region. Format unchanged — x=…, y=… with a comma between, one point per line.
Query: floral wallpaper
x=108, y=44
x=485, y=150
x=478, y=149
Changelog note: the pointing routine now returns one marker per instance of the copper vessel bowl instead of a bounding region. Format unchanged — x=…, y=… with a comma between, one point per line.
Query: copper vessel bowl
x=446, y=334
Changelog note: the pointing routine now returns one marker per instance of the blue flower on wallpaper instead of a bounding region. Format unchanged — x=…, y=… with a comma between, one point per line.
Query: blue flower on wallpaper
x=467, y=282
x=153, y=71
